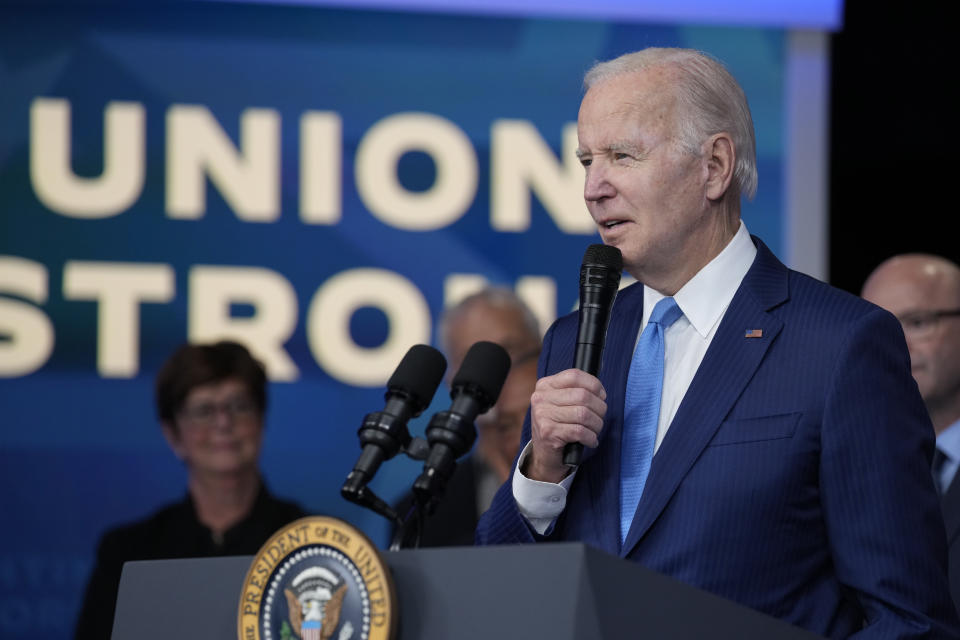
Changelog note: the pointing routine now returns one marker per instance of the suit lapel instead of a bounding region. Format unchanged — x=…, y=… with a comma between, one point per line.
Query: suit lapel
x=727, y=367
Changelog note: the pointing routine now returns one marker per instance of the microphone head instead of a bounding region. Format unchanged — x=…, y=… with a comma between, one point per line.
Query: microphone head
x=485, y=369
x=418, y=375
x=603, y=255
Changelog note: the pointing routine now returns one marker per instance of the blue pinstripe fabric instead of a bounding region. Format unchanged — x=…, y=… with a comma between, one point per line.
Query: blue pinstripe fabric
x=642, y=409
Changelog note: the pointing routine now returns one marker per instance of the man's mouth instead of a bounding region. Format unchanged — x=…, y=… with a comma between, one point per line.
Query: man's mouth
x=610, y=224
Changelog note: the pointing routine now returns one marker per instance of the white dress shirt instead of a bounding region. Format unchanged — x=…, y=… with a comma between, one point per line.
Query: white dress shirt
x=703, y=301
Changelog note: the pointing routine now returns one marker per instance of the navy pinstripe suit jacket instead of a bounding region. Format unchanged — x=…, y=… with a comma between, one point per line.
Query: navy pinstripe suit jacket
x=795, y=477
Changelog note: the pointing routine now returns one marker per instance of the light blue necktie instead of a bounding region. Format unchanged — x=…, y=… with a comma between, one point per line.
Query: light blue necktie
x=940, y=460
x=642, y=410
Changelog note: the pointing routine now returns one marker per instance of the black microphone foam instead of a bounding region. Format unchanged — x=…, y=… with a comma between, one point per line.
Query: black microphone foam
x=451, y=433
x=603, y=255
x=383, y=433
x=418, y=375
x=599, y=282
x=485, y=368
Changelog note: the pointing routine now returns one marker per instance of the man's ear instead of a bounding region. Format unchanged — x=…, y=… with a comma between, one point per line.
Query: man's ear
x=172, y=436
x=721, y=158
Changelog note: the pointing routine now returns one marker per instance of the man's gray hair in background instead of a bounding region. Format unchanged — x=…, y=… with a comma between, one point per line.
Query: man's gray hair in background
x=711, y=99
x=497, y=298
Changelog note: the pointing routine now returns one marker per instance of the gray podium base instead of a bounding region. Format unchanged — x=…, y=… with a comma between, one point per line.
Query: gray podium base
x=554, y=591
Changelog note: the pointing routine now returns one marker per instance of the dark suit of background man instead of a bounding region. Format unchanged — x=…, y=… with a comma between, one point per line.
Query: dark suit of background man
x=497, y=315
x=791, y=470
x=211, y=401
x=923, y=291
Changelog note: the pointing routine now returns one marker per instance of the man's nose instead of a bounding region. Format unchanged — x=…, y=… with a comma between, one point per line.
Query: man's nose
x=597, y=185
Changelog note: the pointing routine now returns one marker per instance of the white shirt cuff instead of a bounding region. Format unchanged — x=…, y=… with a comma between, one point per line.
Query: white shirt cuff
x=539, y=502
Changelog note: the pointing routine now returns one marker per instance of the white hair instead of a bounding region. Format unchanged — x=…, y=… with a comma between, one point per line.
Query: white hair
x=711, y=98
x=496, y=297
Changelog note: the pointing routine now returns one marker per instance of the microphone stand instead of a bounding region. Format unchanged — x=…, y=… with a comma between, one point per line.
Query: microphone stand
x=409, y=528
x=450, y=434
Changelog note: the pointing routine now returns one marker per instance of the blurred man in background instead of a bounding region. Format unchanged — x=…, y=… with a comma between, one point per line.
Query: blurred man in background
x=211, y=401
x=923, y=291
x=496, y=315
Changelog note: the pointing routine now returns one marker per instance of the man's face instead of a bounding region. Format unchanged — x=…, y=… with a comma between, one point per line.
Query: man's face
x=481, y=321
x=646, y=195
x=911, y=288
x=218, y=430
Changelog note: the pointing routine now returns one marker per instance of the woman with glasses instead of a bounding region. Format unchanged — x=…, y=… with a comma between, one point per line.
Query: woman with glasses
x=211, y=401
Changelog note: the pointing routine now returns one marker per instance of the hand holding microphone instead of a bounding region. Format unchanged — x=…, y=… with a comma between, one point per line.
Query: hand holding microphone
x=570, y=405
x=599, y=282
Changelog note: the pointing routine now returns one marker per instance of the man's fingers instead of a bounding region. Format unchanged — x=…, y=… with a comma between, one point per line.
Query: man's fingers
x=565, y=407
x=567, y=433
x=573, y=379
x=589, y=415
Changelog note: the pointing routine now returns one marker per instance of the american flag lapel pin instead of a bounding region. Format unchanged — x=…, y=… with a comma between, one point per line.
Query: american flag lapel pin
x=754, y=333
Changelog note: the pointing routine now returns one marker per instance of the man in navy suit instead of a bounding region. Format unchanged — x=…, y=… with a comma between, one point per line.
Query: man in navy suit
x=923, y=292
x=788, y=466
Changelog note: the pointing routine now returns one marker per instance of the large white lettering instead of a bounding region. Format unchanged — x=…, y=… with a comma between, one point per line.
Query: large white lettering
x=26, y=333
x=321, y=173
x=216, y=299
x=214, y=290
x=51, y=173
x=328, y=324
x=521, y=161
x=455, y=184
x=197, y=147
x=247, y=174
x=119, y=288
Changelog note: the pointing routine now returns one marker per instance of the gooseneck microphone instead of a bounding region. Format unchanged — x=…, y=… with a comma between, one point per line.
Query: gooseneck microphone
x=383, y=433
x=451, y=433
x=599, y=281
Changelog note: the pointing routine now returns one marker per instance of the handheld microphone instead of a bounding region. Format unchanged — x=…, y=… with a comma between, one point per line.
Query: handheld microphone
x=451, y=433
x=383, y=433
x=599, y=281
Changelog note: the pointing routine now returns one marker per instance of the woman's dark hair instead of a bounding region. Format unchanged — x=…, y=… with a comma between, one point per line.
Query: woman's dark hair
x=193, y=365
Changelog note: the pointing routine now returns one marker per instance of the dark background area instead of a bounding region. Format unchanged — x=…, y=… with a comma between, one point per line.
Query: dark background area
x=891, y=180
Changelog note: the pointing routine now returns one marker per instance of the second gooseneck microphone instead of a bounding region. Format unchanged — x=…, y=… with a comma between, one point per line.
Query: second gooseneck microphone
x=451, y=433
x=599, y=282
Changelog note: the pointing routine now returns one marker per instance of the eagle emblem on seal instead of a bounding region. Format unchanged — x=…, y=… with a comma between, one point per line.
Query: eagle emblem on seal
x=314, y=599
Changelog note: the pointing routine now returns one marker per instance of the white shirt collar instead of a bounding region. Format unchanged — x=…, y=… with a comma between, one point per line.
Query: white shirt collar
x=707, y=294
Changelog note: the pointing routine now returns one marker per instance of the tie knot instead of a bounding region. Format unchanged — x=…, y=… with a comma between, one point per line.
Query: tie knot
x=665, y=313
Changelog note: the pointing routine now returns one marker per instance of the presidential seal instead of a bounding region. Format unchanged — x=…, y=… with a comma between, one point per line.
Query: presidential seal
x=317, y=578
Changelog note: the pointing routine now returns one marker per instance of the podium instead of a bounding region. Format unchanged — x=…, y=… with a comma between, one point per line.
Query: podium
x=556, y=591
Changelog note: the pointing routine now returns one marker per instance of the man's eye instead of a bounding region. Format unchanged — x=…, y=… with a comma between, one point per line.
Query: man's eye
x=585, y=162
x=619, y=155
x=918, y=322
